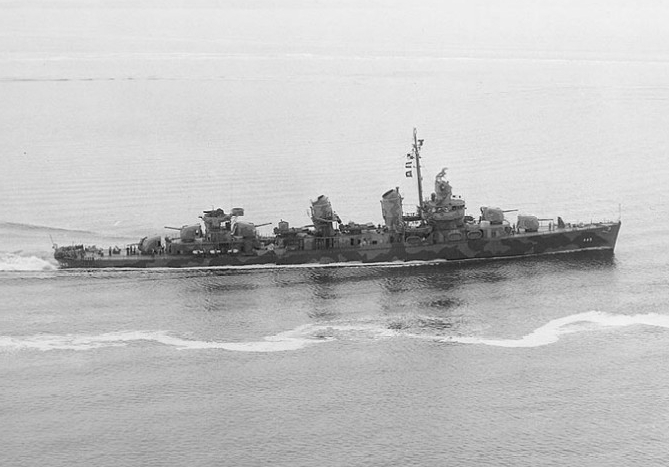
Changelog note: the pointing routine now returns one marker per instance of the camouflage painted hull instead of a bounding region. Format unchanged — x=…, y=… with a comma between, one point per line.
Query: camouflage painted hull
x=600, y=236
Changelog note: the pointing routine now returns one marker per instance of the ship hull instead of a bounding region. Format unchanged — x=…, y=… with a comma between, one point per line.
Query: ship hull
x=601, y=236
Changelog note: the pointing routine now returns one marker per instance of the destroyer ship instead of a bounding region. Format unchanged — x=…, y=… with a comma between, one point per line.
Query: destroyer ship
x=439, y=229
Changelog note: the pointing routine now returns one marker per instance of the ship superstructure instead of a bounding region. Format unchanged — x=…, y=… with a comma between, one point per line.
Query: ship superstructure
x=439, y=229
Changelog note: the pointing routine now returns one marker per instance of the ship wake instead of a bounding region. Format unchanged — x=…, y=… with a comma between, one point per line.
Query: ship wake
x=432, y=329
x=24, y=262
x=552, y=331
x=289, y=340
x=446, y=330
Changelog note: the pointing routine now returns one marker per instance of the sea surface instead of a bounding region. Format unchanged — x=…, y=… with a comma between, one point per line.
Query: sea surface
x=120, y=118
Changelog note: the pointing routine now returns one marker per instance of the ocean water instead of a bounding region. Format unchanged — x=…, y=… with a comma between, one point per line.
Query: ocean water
x=120, y=119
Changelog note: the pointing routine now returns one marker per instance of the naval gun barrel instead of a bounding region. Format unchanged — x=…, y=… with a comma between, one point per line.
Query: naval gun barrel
x=510, y=210
x=262, y=225
x=172, y=228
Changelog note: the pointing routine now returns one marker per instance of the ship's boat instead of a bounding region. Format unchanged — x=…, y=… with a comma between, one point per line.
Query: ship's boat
x=437, y=229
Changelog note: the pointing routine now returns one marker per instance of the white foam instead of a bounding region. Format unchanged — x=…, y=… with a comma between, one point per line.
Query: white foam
x=550, y=332
x=14, y=262
x=289, y=340
x=310, y=334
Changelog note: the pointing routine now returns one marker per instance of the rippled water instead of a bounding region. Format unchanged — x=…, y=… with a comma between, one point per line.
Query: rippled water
x=518, y=362
x=119, y=121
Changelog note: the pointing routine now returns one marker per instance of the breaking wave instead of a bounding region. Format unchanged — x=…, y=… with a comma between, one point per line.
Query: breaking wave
x=16, y=262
